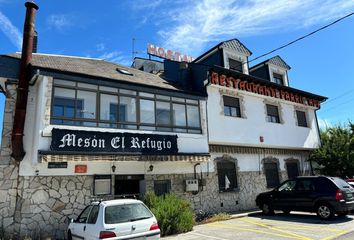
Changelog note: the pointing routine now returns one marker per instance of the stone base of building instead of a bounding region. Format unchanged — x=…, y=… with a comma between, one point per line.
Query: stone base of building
x=44, y=205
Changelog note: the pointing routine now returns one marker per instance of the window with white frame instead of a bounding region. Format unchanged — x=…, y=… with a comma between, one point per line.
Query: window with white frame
x=82, y=104
x=272, y=113
x=278, y=78
x=232, y=106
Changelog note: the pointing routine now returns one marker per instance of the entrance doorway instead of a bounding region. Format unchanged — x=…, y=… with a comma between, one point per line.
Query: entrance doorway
x=129, y=186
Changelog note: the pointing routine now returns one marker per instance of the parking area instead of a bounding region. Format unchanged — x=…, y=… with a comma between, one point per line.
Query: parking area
x=302, y=226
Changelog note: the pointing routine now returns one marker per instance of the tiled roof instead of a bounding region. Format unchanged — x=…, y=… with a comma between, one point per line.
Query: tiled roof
x=278, y=61
x=236, y=45
x=97, y=68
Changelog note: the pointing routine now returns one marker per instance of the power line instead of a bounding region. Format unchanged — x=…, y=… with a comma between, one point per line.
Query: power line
x=339, y=96
x=335, y=107
x=300, y=38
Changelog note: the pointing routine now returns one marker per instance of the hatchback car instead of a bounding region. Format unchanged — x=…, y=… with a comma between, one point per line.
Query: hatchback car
x=115, y=219
x=324, y=195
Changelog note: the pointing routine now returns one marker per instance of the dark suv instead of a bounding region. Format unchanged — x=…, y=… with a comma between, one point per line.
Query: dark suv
x=324, y=195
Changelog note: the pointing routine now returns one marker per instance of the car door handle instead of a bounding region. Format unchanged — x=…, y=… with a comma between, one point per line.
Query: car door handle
x=84, y=228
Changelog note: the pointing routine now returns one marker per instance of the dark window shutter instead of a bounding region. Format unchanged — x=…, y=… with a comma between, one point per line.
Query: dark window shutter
x=232, y=102
x=272, y=174
x=162, y=187
x=235, y=65
x=272, y=110
x=301, y=118
x=292, y=169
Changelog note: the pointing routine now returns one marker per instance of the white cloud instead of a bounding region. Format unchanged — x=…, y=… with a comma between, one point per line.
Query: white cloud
x=117, y=57
x=60, y=21
x=10, y=31
x=324, y=123
x=190, y=25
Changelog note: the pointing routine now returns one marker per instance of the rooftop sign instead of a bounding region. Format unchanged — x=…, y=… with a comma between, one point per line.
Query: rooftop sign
x=253, y=87
x=168, y=54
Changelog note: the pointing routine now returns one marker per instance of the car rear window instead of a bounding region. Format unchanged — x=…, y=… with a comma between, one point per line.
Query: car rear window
x=341, y=183
x=126, y=213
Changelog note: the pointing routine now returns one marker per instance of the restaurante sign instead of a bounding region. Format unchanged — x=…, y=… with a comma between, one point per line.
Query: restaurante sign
x=249, y=86
x=87, y=141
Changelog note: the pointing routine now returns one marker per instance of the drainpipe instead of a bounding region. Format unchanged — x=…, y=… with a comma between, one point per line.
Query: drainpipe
x=23, y=82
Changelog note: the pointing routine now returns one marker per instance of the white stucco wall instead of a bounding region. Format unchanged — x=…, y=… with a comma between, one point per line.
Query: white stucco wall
x=38, y=137
x=246, y=131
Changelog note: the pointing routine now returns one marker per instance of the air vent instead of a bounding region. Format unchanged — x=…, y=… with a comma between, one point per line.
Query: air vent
x=122, y=71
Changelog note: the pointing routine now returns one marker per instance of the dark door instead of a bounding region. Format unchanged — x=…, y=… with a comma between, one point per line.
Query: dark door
x=284, y=196
x=305, y=194
x=127, y=185
x=293, y=169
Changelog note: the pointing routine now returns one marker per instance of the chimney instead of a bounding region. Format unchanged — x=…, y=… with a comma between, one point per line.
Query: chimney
x=23, y=82
x=35, y=42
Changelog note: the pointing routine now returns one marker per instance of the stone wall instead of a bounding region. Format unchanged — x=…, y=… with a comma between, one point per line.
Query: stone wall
x=44, y=204
x=210, y=199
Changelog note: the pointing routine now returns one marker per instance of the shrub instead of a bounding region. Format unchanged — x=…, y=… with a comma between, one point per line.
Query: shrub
x=173, y=214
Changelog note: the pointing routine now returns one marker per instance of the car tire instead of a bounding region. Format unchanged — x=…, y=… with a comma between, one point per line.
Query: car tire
x=267, y=209
x=324, y=211
x=69, y=235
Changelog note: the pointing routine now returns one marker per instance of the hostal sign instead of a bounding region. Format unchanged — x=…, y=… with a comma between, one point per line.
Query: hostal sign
x=87, y=141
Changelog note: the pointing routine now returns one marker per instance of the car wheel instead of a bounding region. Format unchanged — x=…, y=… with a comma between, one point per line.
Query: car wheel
x=324, y=211
x=69, y=235
x=287, y=212
x=267, y=209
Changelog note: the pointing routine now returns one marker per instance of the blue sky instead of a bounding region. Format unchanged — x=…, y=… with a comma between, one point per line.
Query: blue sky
x=321, y=64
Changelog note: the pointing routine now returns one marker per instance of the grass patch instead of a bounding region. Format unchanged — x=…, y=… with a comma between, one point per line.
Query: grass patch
x=216, y=218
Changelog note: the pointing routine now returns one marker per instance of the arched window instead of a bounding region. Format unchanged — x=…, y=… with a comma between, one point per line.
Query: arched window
x=271, y=172
x=227, y=177
x=292, y=168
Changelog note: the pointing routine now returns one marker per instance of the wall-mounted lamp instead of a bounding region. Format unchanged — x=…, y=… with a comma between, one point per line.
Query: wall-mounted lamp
x=151, y=168
x=114, y=168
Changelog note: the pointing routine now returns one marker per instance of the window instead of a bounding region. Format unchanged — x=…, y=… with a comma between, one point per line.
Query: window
x=162, y=187
x=227, y=176
x=102, y=185
x=82, y=104
x=125, y=213
x=278, y=78
x=232, y=106
x=272, y=114
x=292, y=169
x=82, y=218
x=272, y=174
x=305, y=185
x=235, y=65
x=288, y=186
x=93, y=215
x=301, y=118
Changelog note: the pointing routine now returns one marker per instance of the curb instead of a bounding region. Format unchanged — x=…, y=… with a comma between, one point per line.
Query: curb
x=245, y=214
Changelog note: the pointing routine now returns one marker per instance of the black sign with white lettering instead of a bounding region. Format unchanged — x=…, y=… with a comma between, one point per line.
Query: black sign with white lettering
x=87, y=141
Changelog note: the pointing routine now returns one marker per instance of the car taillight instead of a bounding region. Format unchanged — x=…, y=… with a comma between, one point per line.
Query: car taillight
x=107, y=234
x=339, y=195
x=154, y=226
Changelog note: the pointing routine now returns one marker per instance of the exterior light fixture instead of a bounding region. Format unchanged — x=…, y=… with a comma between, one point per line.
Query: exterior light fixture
x=114, y=168
x=151, y=168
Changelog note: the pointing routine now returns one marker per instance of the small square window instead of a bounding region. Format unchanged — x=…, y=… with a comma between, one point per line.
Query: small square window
x=235, y=65
x=162, y=187
x=301, y=118
x=272, y=114
x=278, y=78
x=232, y=106
x=102, y=184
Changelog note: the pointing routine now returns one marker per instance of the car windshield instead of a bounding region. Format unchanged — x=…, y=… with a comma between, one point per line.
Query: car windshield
x=341, y=183
x=126, y=213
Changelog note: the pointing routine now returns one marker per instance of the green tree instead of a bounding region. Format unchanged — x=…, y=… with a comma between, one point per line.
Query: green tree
x=335, y=157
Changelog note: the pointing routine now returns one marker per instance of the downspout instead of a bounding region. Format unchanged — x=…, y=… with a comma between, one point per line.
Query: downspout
x=23, y=83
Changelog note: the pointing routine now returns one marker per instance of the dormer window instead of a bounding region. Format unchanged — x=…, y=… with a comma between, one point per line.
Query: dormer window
x=235, y=65
x=278, y=78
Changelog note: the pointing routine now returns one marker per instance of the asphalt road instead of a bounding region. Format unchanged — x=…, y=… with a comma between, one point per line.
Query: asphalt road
x=303, y=226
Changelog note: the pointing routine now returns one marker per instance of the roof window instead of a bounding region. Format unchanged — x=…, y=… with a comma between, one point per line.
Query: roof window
x=123, y=71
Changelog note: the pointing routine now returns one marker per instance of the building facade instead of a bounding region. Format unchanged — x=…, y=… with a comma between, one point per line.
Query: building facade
x=213, y=131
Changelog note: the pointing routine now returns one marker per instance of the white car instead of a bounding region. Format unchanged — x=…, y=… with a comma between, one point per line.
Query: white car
x=115, y=219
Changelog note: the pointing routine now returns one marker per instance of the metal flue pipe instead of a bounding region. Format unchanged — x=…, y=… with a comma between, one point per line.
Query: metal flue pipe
x=23, y=82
